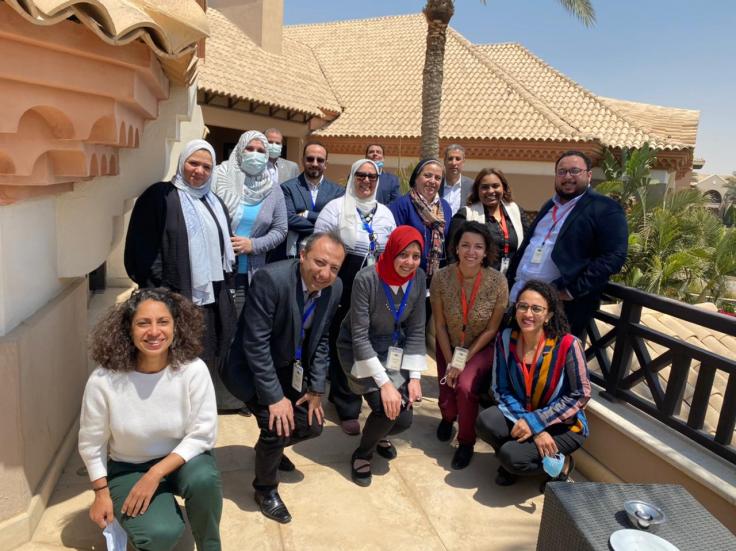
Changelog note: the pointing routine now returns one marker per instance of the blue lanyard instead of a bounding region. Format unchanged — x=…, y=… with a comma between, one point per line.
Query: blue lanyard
x=305, y=317
x=371, y=236
x=396, y=313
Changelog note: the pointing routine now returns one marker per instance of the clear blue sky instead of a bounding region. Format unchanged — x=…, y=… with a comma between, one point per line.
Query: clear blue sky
x=678, y=53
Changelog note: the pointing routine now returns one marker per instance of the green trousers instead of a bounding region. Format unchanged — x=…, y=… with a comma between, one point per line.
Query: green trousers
x=160, y=527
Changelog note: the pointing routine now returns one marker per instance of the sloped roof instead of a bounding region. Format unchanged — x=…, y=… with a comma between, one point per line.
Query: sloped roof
x=669, y=123
x=614, y=123
x=236, y=67
x=171, y=28
x=479, y=101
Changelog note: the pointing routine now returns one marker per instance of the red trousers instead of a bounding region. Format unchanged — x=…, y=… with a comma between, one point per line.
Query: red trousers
x=461, y=402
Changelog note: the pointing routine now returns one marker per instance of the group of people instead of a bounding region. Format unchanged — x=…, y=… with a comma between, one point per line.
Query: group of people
x=257, y=285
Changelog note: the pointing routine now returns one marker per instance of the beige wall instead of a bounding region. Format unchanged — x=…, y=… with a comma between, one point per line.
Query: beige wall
x=43, y=367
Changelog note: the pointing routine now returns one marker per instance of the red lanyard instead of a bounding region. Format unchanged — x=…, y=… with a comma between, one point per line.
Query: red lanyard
x=555, y=219
x=528, y=371
x=505, y=231
x=464, y=300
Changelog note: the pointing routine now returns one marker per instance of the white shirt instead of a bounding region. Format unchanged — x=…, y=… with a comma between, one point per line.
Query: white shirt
x=453, y=194
x=547, y=270
x=144, y=416
x=382, y=225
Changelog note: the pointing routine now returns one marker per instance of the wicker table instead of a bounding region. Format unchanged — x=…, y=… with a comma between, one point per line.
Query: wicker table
x=583, y=516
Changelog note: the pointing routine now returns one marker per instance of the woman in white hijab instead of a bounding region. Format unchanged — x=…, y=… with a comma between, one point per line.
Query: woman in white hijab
x=256, y=206
x=179, y=238
x=364, y=225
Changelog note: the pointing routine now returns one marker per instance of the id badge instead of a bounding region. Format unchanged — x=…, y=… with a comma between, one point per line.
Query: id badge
x=297, y=376
x=505, y=261
x=395, y=355
x=538, y=255
x=459, y=358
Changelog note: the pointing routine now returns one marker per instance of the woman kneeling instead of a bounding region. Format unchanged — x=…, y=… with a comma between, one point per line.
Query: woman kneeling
x=153, y=403
x=381, y=344
x=541, y=384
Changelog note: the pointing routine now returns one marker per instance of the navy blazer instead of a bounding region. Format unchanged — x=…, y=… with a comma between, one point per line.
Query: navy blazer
x=262, y=353
x=388, y=188
x=298, y=199
x=590, y=248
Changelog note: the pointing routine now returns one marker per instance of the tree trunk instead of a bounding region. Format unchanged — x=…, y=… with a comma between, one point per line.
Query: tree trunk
x=438, y=14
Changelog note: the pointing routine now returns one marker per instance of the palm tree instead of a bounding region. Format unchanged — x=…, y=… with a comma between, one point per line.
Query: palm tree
x=438, y=14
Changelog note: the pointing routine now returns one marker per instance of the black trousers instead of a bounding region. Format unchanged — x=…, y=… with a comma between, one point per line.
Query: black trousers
x=378, y=426
x=521, y=458
x=270, y=446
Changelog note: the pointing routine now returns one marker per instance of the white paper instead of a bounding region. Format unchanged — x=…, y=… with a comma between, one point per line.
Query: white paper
x=115, y=537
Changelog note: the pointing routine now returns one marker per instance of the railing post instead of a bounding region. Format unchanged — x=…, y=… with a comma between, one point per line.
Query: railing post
x=623, y=351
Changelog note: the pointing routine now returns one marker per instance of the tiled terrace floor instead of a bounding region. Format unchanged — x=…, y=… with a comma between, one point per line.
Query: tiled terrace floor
x=415, y=503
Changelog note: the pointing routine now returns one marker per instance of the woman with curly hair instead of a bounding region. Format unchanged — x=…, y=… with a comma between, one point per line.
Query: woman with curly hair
x=151, y=403
x=541, y=384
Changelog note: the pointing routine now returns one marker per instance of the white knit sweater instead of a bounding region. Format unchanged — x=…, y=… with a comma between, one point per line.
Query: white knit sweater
x=146, y=416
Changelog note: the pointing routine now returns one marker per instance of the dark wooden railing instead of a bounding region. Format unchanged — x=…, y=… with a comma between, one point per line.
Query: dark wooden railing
x=640, y=385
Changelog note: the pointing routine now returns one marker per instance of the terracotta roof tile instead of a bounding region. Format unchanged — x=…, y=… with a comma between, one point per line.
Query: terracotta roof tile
x=479, y=101
x=669, y=123
x=615, y=123
x=170, y=28
x=236, y=67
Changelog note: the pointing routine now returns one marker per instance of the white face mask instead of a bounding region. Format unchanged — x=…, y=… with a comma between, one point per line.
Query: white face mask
x=253, y=162
x=274, y=150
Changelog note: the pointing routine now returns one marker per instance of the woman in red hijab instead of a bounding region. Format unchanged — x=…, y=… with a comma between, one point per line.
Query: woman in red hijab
x=381, y=344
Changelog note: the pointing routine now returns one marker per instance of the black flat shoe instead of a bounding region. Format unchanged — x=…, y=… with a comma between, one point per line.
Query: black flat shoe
x=444, y=431
x=462, y=457
x=505, y=478
x=272, y=507
x=286, y=465
x=362, y=476
x=389, y=452
x=245, y=411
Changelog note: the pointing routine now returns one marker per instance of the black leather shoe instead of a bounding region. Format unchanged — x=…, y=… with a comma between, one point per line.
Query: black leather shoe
x=286, y=465
x=462, y=457
x=444, y=431
x=272, y=506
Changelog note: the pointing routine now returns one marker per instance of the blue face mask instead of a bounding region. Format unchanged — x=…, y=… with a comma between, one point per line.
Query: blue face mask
x=274, y=150
x=379, y=164
x=253, y=162
x=552, y=464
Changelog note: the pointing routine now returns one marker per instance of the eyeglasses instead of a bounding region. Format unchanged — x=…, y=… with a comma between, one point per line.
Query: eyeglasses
x=523, y=307
x=366, y=176
x=318, y=160
x=575, y=171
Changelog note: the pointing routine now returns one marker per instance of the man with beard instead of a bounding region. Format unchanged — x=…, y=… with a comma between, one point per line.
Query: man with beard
x=305, y=196
x=578, y=240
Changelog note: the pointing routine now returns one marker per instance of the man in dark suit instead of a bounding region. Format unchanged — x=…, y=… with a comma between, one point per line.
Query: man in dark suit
x=388, y=184
x=280, y=358
x=578, y=240
x=281, y=170
x=457, y=187
x=305, y=197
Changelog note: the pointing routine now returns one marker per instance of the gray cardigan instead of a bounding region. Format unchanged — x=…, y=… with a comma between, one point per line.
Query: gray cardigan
x=366, y=331
x=268, y=230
